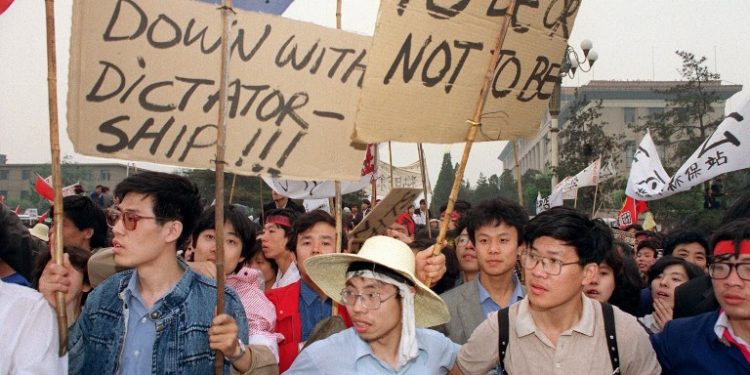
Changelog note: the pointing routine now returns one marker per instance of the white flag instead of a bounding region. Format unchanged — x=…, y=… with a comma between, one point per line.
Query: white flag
x=724, y=151
x=648, y=178
x=589, y=176
x=555, y=199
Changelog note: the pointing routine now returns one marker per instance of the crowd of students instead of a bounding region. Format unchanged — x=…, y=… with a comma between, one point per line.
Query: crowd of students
x=506, y=294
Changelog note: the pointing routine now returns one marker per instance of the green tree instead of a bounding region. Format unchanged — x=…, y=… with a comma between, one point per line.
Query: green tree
x=443, y=185
x=507, y=185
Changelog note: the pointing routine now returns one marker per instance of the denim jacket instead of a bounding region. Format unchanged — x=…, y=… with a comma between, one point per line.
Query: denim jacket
x=182, y=320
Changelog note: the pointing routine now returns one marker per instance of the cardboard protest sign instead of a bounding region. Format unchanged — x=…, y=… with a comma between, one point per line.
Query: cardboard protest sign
x=409, y=176
x=429, y=61
x=144, y=83
x=627, y=237
x=382, y=216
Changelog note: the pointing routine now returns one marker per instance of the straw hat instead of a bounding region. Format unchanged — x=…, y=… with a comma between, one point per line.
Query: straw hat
x=328, y=272
x=40, y=231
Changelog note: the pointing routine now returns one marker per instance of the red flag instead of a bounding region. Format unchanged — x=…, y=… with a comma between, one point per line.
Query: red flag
x=44, y=189
x=630, y=210
x=4, y=4
x=43, y=218
x=18, y=209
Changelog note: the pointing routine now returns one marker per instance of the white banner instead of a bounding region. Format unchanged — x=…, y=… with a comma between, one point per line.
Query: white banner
x=555, y=199
x=409, y=176
x=724, y=151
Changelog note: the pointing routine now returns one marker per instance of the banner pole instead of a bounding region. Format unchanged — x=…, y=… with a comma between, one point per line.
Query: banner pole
x=422, y=163
x=54, y=137
x=227, y=14
x=390, y=161
x=474, y=127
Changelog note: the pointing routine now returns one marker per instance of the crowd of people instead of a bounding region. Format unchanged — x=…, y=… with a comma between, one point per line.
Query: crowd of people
x=506, y=293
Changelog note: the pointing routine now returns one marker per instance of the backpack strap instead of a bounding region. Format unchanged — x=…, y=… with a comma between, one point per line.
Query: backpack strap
x=611, y=334
x=503, y=325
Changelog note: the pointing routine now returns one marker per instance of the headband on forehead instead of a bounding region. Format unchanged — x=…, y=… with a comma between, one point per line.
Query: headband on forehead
x=279, y=220
x=359, y=266
x=728, y=247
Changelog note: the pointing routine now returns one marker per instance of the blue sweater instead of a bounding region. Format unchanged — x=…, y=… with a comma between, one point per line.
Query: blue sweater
x=690, y=346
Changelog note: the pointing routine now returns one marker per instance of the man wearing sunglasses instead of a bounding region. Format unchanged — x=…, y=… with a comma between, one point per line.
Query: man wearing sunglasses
x=157, y=317
x=715, y=342
x=556, y=329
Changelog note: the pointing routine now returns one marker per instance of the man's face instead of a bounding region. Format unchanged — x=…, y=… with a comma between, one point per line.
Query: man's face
x=364, y=206
x=466, y=253
x=423, y=207
x=149, y=240
x=692, y=252
x=733, y=293
x=547, y=291
x=273, y=241
x=399, y=232
x=497, y=248
x=319, y=239
x=276, y=196
x=381, y=323
x=72, y=236
x=205, y=247
x=645, y=258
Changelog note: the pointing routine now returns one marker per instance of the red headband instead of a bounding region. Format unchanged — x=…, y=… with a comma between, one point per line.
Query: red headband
x=728, y=247
x=279, y=220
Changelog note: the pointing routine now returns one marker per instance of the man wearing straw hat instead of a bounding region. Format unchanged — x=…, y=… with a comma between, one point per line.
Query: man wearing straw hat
x=386, y=303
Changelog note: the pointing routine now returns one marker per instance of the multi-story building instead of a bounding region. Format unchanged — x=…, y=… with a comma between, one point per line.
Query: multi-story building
x=623, y=103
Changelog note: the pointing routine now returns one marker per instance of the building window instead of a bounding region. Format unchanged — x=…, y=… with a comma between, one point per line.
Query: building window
x=3, y=174
x=653, y=112
x=24, y=194
x=629, y=152
x=629, y=115
x=104, y=175
x=26, y=174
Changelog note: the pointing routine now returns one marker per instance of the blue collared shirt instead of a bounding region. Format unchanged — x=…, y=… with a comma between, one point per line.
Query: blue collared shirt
x=141, y=331
x=312, y=309
x=489, y=305
x=346, y=353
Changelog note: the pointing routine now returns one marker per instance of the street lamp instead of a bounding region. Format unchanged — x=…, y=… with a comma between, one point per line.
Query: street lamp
x=572, y=62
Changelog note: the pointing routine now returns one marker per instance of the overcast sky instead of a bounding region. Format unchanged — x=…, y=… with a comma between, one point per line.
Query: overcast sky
x=635, y=39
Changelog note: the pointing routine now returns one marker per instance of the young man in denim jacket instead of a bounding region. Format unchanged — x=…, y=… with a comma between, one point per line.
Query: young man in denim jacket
x=157, y=317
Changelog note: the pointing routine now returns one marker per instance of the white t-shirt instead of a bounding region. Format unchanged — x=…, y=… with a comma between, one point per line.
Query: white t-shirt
x=29, y=339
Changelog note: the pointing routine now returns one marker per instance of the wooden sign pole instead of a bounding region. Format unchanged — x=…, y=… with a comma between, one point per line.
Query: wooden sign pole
x=422, y=163
x=54, y=138
x=474, y=127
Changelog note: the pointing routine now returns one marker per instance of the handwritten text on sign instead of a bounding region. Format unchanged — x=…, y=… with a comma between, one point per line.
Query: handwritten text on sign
x=433, y=56
x=144, y=85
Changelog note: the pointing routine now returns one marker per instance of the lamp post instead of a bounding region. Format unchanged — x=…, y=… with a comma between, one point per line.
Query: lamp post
x=572, y=62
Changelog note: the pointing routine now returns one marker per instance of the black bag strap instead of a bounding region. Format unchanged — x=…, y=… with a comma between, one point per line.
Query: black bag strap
x=609, y=330
x=503, y=325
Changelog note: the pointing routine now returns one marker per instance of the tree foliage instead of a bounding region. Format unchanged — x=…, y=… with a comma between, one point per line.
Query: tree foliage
x=443, y=185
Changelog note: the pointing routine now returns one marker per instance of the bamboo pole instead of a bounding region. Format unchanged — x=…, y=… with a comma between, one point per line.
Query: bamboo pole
x=339, y=227
x=596, y=191
x=422, y=163
x=390, y=161
x=227, y=17
x=231, y=192
x=54, y=139
x=519, y=183
x=260, y=199
x=375, y=173
x=474, y=127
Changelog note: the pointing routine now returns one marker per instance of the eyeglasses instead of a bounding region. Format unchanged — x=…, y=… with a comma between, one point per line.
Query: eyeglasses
x=551, y=266
x=130, y=219
x=370, y=300
x=721, y=271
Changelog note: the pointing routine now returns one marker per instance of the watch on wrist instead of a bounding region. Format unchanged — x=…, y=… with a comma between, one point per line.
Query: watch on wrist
x=243, y=349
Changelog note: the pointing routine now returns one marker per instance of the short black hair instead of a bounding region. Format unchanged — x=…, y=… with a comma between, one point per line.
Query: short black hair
x=84, y=213
x=308, y=220
x=494, y=212
x=691, y=269
x=289, y=232
x=637, y=227
x=683, y=236
x=175, y=197
x=591, y=238
x=243, y=227
x=735, y=231
x=649, y=244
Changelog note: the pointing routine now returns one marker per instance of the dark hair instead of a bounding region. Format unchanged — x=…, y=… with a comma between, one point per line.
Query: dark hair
x=244, y=228
x=257, y=252
x=637, y=227
x=740, y=209
x=374, y=267
x=496, y=211
x=649, y=244
x=627, y=250
x=628, y=283
x=84, y=213
x=290, y=214
x=592, y=239
x=691, y=269
x=683, y=237
x=461, y=206
x=422, y=201
x=174, y=198
x=308, y=220
x=78, y=257
x=735, y=231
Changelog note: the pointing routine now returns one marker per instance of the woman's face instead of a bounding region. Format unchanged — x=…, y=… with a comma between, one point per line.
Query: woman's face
x=205, y=247
x=663, y=286
x=260, y=263
x=603, y=285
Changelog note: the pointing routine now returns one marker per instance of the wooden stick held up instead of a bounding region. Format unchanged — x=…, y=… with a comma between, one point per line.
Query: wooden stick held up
x=474, y=123
x=422, y=163
x=54, y=138
x=227, y=14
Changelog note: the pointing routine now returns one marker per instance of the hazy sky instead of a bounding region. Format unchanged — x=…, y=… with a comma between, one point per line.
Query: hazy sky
x=635, y=39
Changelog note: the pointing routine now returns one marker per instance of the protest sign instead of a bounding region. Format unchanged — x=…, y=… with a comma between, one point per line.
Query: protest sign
x=382, y=216
x=627, y=237
x=409, y=176
x=144, y=78
x=428, y=62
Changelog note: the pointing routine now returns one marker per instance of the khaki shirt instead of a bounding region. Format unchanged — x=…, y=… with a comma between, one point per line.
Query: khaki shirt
x=580, y=350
